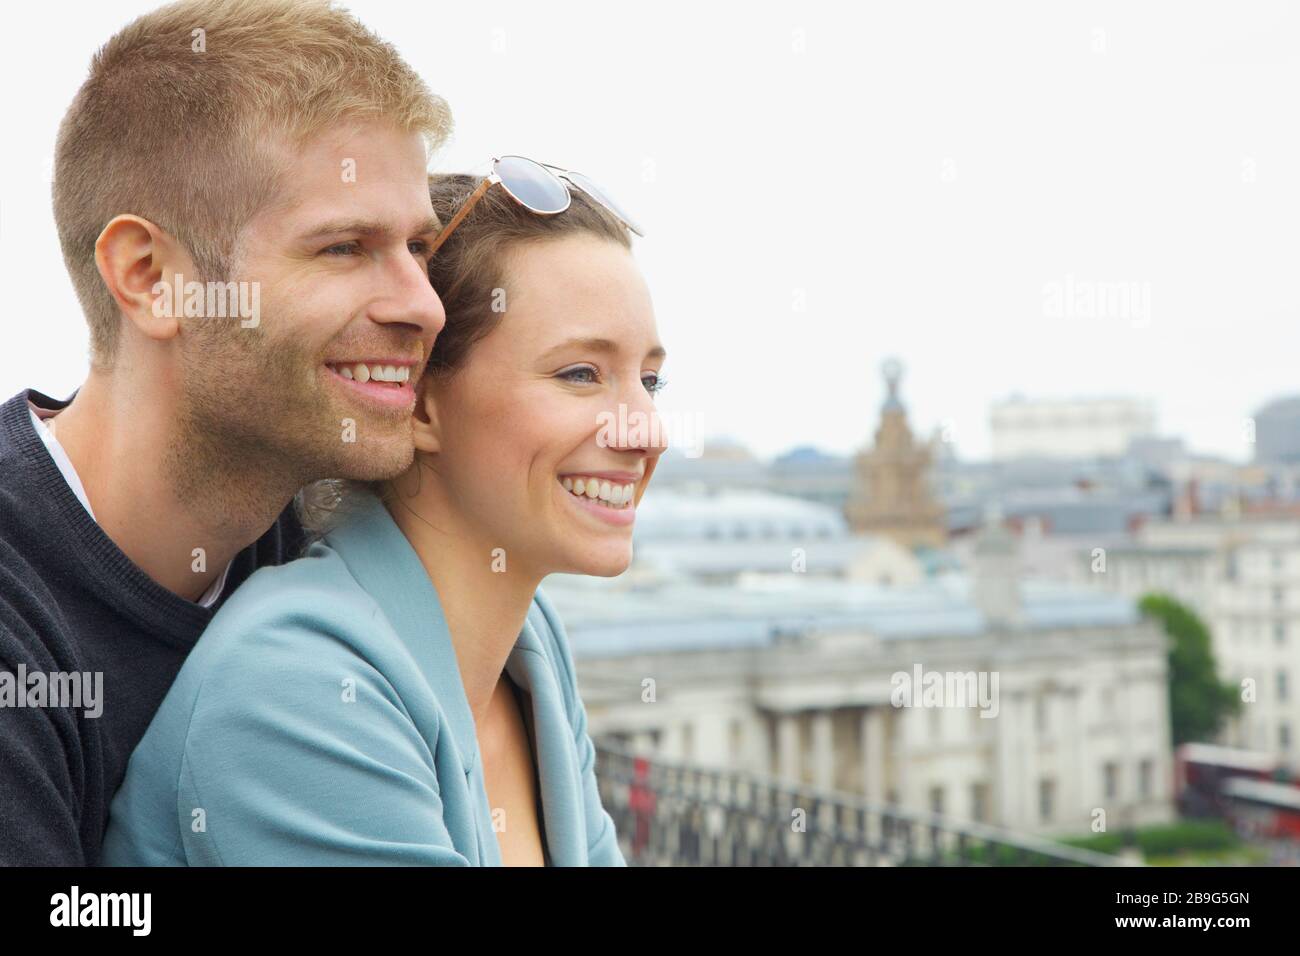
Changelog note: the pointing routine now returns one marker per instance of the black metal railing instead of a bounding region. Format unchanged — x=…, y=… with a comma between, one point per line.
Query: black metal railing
x=669, y=813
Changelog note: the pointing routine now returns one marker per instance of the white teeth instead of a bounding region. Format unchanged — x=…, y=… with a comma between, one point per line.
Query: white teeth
x=602, y=492
x=361, y=372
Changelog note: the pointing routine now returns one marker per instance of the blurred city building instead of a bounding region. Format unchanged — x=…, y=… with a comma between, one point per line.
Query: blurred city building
x=891, y=494
x=1240, y=571
x=774, y=609
x=1068, y=428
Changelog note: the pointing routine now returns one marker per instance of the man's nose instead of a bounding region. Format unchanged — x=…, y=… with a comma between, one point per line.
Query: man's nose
x=409, y=297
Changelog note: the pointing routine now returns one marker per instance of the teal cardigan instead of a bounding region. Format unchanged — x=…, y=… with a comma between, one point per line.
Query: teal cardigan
x=321, y=720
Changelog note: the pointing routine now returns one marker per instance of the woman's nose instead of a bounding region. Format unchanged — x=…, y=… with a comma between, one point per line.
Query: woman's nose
x=651, y=435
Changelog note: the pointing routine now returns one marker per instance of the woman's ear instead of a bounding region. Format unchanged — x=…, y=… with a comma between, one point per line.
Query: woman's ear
x=425, y=425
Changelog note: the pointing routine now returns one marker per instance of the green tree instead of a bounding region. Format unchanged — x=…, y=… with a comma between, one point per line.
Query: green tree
x=1198, y=702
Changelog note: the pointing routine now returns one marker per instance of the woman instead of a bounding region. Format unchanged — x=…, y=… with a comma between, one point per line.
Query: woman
x=404, y=693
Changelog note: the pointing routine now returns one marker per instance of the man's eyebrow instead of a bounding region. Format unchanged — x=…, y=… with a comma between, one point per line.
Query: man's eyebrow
x=367, y=228
x=597, y=344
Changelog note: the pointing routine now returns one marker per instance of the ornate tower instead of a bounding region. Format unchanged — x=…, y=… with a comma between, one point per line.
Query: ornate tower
x=891, y=491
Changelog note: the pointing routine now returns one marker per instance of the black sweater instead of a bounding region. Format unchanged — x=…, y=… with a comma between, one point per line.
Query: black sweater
x=72, y=603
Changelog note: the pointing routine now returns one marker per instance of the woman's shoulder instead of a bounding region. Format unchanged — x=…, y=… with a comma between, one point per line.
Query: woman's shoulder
x=299, y=728
x=288, y=625
x=304, y=599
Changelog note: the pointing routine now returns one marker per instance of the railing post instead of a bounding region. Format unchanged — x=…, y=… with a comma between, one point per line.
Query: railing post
x=668, y=813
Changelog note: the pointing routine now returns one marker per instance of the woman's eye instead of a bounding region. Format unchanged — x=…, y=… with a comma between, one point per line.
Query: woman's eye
x=419, y=247
x=653, y=383
x=583, y=375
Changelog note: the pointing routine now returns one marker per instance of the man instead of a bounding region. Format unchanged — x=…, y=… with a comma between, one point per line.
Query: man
x=241, y=198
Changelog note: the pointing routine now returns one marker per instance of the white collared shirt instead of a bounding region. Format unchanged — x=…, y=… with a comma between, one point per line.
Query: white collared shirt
x=74, y=482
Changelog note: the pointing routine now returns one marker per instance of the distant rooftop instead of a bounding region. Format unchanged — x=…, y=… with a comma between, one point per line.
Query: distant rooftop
x=605, y=619
x=734, y=514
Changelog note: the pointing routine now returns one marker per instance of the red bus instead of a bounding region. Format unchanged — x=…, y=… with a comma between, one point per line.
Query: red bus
x=1263, y=809
x=1201, y=772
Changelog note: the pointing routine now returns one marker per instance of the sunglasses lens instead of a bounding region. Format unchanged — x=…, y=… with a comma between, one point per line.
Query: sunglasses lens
x=532, y=184
x=598, y=194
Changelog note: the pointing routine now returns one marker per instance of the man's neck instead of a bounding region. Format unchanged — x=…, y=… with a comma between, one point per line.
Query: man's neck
x=122, y=442
x=485, y=608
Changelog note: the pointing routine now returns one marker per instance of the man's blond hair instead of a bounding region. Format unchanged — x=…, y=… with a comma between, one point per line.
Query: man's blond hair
x=179, y=120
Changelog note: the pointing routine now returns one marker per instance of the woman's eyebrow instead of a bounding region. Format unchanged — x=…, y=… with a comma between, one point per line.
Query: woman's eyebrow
x=598, y=344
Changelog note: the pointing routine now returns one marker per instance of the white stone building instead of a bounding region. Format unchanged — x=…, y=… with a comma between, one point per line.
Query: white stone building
x=799, y=678
x=1242, y=576
x=1068, y=428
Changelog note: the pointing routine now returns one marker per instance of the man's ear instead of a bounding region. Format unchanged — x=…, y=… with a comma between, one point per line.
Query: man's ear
x=133, y=256
x=424, y=421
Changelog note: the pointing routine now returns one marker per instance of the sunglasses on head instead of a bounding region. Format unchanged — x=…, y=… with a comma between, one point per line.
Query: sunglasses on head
x=539, y=187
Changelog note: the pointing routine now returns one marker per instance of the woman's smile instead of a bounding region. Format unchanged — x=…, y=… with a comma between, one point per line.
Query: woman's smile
x=609, y=496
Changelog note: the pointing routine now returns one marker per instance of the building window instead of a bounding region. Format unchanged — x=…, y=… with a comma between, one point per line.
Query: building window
x=1046, y=798
x=979, y=802
x=1040, y=713
x=1110, y=776
x=1281, y=685
x=1284, y=735
x=936, y=801
x=1279, y=632
x=1145, y=770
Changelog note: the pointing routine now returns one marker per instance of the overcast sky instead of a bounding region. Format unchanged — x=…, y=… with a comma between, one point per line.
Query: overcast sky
x=824, y=185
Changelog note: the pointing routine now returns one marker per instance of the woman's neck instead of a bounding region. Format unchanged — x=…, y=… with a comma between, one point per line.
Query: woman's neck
x=484, y=604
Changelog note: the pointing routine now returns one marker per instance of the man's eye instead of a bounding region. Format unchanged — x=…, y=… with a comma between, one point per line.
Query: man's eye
x=583, y=375
x=341, y=249
x=419, y=247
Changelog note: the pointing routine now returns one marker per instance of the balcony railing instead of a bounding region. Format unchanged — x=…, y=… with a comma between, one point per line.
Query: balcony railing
x=674, y=814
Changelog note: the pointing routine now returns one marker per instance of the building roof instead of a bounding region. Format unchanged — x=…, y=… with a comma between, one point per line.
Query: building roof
x=1233, y=757
x=734, y=515
x=1287, y=407
x=1263, y=791
x=604, y=620
x=762, y=555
